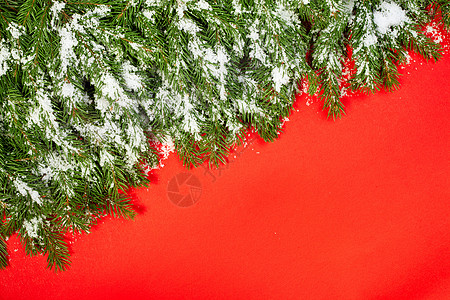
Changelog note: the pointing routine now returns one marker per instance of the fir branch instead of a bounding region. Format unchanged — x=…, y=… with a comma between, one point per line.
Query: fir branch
x=83, y=85
x=3, y=253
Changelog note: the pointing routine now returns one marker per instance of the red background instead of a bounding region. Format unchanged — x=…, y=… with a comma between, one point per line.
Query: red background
x=352, y=209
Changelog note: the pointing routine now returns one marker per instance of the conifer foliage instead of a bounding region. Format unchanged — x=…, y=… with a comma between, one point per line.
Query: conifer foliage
x=84, y=86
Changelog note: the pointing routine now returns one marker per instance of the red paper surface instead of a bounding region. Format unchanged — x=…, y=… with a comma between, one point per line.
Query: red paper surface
x=352, y=209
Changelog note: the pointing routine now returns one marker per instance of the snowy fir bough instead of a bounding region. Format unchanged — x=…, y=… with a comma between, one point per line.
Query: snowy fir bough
x=84, y=86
